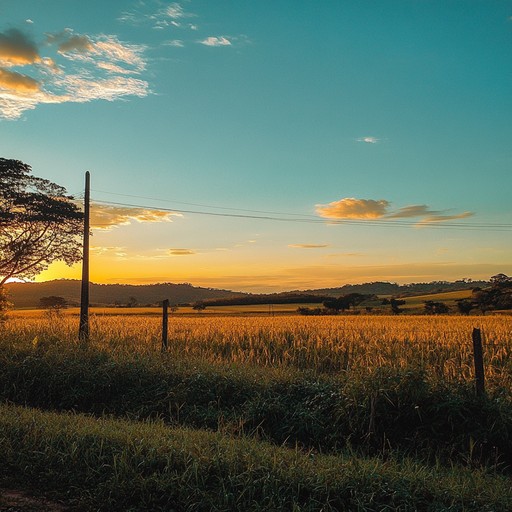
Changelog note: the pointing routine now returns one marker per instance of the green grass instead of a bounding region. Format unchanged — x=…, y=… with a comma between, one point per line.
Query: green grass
x=374, y=412
x=118, y=465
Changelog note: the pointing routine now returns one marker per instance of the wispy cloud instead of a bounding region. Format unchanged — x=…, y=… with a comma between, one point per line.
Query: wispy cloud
x=177, y=43
x=370, y=209
x=416, y=210
x=181, y=252
x=98, y=50
x=107, y=216
x=172, y=15
x=308, y=246
x=75, y=68
x=429, y=216
x=444, y=218
x=106, y=250
x=368, y=140
x=216, y=41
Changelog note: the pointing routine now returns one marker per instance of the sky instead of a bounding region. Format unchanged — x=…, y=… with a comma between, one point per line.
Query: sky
x=270, y=145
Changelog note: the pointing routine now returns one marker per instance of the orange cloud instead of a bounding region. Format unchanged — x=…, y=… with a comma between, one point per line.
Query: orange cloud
x=370, y=209
x=351, y=208
x=181, y=252
x=16, y=49
x=107, y=216
x=17, y=82
x=308, y=246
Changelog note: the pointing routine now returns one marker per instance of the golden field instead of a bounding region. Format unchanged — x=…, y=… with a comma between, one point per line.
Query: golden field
x=441, y=345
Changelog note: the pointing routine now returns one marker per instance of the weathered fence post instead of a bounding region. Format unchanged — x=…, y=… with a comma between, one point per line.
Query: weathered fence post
x=479, y=362
x=165, y=318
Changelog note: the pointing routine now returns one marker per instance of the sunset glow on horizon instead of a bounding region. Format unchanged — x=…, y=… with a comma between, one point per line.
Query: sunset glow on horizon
x=266, y=147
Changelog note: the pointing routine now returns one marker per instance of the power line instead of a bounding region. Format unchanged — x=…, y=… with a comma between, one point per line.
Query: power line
x=275, y=216
x=207, y=205
x=307, y=217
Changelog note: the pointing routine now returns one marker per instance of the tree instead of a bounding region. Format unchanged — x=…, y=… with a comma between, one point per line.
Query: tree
x=345, y=302
x=496, y=297
x=334, y=305
x=53, y=302
x=395, y=305
x=39, y=223
x=132, y=302
x=501, y=280
x=199, y=306
x=435, y=308
x=464, y=306
x=483, y=299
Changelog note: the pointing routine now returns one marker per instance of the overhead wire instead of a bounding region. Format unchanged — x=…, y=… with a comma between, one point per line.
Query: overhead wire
x=299, y=218
x=205, y=205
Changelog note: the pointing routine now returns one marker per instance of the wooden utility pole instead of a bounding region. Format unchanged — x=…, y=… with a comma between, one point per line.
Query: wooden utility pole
x=83, y=330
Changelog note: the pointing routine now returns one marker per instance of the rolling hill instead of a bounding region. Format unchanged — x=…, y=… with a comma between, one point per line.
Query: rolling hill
x=26, y=295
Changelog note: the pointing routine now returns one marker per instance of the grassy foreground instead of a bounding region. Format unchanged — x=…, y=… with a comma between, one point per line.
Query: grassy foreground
x=392, y=384
x=105, y=464
x=375, y=413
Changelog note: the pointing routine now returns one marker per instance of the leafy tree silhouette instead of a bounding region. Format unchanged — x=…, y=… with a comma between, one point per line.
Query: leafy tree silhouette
x=39, y=223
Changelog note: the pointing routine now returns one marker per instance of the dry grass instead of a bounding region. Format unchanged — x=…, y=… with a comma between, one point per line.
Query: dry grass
x=440, y=345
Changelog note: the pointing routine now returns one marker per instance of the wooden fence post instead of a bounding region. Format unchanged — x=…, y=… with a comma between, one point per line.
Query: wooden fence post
x=479, y=362
x=165, y=318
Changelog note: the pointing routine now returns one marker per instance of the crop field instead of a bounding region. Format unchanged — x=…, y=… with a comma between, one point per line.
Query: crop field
x=285, y=412
x=442, y=346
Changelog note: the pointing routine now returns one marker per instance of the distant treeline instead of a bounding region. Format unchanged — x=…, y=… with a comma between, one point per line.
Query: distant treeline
x=272, y=298
x=386, y=288
x=321, y=295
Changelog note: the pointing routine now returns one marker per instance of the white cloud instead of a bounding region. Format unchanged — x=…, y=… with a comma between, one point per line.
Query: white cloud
x=104, y=49
x=368, y=140
x=171, y=15
x=216, y=41
x=177, y=43
x=79, y=69
x=175, y=11
x=81, y=88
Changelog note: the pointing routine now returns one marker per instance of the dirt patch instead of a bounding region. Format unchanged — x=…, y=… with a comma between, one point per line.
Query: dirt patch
x=18, y=501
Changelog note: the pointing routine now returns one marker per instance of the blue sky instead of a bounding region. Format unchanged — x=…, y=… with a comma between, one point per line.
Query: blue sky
x=381, y=128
